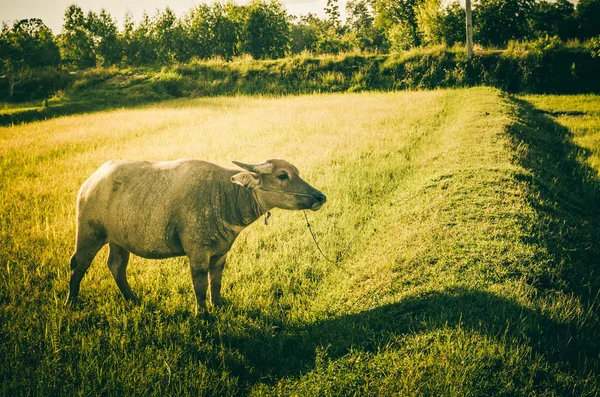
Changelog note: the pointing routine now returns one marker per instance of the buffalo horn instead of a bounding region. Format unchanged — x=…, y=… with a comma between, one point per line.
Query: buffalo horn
x=263, y=168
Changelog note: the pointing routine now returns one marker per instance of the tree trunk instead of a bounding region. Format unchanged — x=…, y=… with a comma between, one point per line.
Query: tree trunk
x=469, y=29
x=11, y=83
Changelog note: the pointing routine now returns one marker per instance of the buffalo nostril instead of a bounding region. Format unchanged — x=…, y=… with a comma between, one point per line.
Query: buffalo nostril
x=320, y=197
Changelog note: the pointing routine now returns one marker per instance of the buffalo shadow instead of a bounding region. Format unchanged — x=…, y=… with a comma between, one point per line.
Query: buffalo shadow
x=267, y=356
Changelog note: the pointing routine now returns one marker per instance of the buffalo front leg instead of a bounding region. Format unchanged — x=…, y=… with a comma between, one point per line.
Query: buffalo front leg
x=118, y=258
x=199, y=266
x=217, y=263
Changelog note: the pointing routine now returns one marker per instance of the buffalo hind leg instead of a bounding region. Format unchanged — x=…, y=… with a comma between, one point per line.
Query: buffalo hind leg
x=81, y=260
x=199, y=267
x=217, y=263
x=118, y=258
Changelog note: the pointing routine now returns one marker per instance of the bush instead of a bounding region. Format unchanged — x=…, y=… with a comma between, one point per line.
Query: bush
x=39, y=83
x=593, y=46
x=547, y=65
x=401, y=38
x=169, y=82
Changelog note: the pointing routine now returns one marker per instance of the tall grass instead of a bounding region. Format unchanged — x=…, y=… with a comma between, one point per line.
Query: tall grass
x=474, y=275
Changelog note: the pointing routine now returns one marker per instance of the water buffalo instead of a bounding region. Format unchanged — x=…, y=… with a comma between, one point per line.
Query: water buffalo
x=174, y=208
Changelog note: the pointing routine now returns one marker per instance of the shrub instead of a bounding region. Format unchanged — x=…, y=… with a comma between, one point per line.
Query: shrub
x=40, y=83
x=593, y=46
x=401, y=37
x=548, y=65
x=169, y=82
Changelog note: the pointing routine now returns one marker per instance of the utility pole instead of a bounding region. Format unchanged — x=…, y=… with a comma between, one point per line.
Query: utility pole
x=469, y=29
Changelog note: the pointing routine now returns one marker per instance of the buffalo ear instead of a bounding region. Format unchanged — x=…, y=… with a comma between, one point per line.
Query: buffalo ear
x=249, y=180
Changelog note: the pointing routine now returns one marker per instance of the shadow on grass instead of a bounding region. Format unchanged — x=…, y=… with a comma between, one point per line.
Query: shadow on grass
x=66, y=108
x=293, y=351
x=74, y=107
x=565, y=192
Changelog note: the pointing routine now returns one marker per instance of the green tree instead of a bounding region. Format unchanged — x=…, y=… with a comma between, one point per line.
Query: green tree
x=320, y=36
x=495, y=22
x=27, y=45
x=440, y=24
x=199, y=26
x=360, y=19
x=332, y=10
x=588, y=18
x=305, y=33
x=127, y=39
x=168, y=37
x=140, y=48
x=266, y=29
x=554, y=19
x=75, y=43
x=401, y=37
x=401, y=15
x=228, y=29
x=214, y=30
x=107, y=46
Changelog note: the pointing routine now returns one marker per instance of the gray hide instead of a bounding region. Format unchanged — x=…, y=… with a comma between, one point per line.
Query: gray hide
x=183, y=207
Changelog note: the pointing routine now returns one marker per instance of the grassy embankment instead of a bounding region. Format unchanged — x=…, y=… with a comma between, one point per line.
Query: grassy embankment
x=541, y=66
x=477, y=272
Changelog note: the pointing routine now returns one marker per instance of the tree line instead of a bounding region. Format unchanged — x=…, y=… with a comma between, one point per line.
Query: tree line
x=264, y=30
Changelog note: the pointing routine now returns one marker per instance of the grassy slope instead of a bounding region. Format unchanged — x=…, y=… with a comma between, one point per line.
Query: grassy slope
x=543, y=66
x=475, y=273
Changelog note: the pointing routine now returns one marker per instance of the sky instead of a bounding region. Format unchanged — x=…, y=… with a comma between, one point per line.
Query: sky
x=51, y=11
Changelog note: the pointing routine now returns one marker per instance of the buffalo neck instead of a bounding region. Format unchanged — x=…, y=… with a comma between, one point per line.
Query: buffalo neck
x=241, y=207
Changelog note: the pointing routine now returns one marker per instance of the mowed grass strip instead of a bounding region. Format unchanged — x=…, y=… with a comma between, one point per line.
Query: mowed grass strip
x=474, y=271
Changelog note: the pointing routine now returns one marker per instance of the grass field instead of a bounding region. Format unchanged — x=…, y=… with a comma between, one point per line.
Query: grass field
x=476, y=273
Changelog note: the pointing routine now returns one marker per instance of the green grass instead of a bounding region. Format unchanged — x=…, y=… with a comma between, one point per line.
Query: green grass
x=476, y=273
x=580, y=114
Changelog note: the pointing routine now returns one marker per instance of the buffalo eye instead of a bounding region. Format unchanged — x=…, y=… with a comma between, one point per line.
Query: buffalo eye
x=283, y=177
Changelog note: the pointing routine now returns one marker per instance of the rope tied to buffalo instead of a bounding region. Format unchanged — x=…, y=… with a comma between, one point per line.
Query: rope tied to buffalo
x=340, y=257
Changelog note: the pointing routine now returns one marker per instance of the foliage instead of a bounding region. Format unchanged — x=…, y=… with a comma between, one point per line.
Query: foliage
x=554, y=19
x=399, y=15
x=200, y=25
x=593, y=46
x=495, y=22
x=75, y=42
x=102, y=29
x=320, y=36
x=267, y=29
x=306, y=32
x=360, y=20
x=139, y=41
x=168, y=37
x=332, y=10
x=441, y=24
x=401, y=37
x=25, y=48
x=227, y=25
x=588, y=17
x=29, y=42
